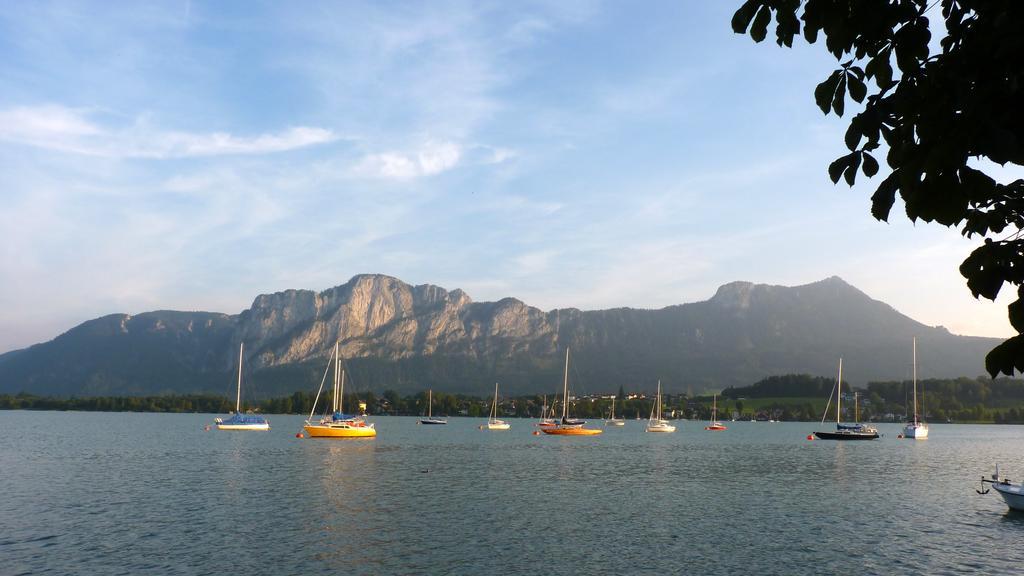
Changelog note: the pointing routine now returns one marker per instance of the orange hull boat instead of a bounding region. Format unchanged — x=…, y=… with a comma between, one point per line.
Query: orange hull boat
x=560, y=431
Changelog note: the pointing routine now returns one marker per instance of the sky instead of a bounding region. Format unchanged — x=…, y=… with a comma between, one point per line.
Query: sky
x=192, y=155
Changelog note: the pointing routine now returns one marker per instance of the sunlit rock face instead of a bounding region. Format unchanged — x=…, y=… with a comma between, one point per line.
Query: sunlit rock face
x=405, y=337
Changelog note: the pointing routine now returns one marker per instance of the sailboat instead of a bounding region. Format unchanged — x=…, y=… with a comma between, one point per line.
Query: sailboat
x=612, y=420
x=337, y=424
x=546, y=421
x=656, y=423
x=715, y=425
x=492, y=420
x=430, y=419
x=854, y=431
x=239, y=421
x=915, y=429
x=567, y=426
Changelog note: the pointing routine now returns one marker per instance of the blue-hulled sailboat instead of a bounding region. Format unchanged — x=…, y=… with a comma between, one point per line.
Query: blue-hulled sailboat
x=239, y=421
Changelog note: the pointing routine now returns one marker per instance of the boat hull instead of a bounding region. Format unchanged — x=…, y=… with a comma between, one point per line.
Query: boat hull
x=847, y=435
x=615, y=423
x=1012, y=494
x=498, y=426
x=321, y=431
x=715, y=427
x=916, y=431
x=565, y=431
x=432, y=421
x=666, y=428
x=245, y=427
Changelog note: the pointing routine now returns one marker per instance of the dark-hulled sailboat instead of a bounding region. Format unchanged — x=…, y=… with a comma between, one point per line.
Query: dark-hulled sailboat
x=856, y=431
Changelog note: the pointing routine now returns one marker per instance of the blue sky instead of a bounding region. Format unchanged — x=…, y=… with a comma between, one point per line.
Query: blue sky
x=191, y=155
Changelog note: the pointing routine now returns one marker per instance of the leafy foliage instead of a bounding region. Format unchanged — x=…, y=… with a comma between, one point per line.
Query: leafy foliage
x=789, y=385
x=936, y=114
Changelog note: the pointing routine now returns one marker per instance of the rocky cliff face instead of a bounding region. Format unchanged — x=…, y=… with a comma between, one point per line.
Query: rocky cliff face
x=409, y=337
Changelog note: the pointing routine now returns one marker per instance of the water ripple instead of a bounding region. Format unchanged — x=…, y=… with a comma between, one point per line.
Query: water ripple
x=155, y=494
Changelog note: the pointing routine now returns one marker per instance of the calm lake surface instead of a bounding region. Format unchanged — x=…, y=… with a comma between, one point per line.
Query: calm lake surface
x=101, y=493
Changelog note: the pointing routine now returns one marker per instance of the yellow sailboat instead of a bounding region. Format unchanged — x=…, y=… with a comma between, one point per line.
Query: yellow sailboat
x=567, y=426
x=337, y=424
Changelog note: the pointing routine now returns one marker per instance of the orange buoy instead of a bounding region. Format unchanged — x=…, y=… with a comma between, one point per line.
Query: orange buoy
x=536, y=432
x=300, y=435
x=810, y=436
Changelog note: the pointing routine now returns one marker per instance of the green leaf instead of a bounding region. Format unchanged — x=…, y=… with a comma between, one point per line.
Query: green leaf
x=836, y=168
x=870, y=165
x=853, y=135
x=826, y=90
x=1016, y=312
x=741, y=19
x=884, y=197
x=982, y=270
x=810, y=34
x=880, y=68
x=787, y=24
x=759, y=29
x=851, y=173
x=839, y=100
x=857, y=88
x=1005, y=357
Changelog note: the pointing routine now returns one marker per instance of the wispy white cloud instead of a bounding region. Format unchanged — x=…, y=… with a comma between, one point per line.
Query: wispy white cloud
x=428, y=160
x=72, y=130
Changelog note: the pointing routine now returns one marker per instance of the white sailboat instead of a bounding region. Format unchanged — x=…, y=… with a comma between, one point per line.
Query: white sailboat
x=715, y=425
x=916, y=428
x=657, y=423
x=546, y=420
x=239, y=421
x=612, y=420
x=430, y=419
x=492, y=421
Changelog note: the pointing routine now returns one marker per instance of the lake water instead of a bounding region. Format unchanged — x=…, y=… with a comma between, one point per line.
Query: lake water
x=99, y=493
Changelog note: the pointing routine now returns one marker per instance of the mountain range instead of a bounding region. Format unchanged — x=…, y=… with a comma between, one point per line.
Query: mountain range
x=407, y=338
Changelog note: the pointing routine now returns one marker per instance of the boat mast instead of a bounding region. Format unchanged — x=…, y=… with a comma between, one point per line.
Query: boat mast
x=341, y=389
x=714, y=408
x=238, y=393
x=334, y=391
x=565, y=388
x=430, y=401
x=494, y=405
x=658, y=401
x=839, y=390
x=915, y=380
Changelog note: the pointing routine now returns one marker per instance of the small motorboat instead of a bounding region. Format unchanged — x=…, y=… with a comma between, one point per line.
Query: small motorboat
x=1013, y=494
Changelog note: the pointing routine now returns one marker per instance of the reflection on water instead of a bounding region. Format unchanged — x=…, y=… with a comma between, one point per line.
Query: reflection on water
x=153, y=493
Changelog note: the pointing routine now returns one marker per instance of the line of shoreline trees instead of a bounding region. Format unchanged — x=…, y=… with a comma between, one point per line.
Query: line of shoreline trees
x=793, y=397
